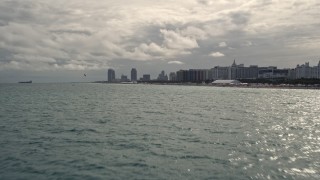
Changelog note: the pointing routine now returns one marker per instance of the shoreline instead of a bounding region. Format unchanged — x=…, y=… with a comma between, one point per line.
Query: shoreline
x=248, y=86
x=253, y=85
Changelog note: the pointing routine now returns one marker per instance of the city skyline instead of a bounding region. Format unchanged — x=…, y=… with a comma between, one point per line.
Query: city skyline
x=155, y=75
x=59, y=41
x=231, y=72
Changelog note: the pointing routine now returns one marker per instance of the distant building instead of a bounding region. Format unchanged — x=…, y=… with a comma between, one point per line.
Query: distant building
x=273, y=73
x=197, y=75
x=162, y=76
x=253, y=72
x=146, y=77
x=172, y=76
x=306, y=71
x=193, y=75
x=219, y=73
x=134, y=75
x=111, y=75
x=303, y=71
x=234, y=72
x=241, y=72
x=181, y=75
x=266, y=72
x=124, y=78
x=291, y=74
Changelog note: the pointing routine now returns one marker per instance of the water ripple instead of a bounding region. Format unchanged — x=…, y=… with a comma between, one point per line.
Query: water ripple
x=110, y=131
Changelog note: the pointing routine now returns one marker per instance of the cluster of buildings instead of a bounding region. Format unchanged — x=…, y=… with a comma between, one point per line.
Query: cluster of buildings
x=112, y=76
x=134, y=77
x=239, y=72
x=233, y=72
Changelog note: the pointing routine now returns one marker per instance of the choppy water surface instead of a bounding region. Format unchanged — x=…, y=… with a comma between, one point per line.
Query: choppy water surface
x=110, y=131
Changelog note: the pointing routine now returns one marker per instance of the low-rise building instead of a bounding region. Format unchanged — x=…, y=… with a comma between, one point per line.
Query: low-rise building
x=145, y=77
x=124, y=78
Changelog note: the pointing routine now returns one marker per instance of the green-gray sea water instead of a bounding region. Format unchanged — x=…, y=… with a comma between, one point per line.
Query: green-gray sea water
x=134, y=131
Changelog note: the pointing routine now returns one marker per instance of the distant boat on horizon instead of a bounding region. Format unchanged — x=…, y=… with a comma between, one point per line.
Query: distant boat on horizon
x=25, y=82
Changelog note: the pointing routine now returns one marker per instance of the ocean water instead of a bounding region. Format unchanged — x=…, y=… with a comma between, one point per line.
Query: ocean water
x=133, y=131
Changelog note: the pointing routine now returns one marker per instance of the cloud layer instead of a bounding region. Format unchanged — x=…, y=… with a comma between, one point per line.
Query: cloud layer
x=38, y=35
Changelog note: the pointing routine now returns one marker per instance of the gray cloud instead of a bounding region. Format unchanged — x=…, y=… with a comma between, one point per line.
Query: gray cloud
x=75, y=35
x=240, y=18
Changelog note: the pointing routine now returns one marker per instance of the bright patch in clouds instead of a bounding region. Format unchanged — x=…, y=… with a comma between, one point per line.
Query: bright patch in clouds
x=175, y=62
x=222, y=44
x=216, y=54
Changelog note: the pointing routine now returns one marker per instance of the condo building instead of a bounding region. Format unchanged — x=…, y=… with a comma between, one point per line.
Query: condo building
x=306, y=71
x=111, y=75
x=162, y=76
x=234, y=72
x=193, y=75
x=172, y=76
x=134, y=76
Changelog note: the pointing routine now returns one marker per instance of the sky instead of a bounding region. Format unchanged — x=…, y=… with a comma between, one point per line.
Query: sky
x=59, y=40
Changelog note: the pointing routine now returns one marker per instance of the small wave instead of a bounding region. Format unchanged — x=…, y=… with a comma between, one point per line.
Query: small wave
x=222, y=132
x=133, y=164
x=195, y=157
x=82, y=130
x=228, y=119
x=88, y=142
x=295, y=128
x=154, y=112
x=129, y=146
x=81, y=164
x=103, y=121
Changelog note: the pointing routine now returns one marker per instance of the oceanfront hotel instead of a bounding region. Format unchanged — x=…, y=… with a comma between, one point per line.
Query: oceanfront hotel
x=233, y=72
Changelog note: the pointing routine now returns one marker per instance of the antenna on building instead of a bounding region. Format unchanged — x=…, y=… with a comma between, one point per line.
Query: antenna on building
x=234, y=62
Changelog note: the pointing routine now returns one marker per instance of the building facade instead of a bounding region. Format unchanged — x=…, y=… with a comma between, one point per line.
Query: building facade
x=134, y=75
x=234, y=72
x=273, y=73
x=146, y=77
x=307, y=72
x=242, y=72
x=193, y=75
x=124, y=78
x=162, y=76
x=173, y=76
x=220, y=73
x=111, y=75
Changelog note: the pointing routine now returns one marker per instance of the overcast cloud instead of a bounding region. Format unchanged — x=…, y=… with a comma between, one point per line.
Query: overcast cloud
x=51, y=39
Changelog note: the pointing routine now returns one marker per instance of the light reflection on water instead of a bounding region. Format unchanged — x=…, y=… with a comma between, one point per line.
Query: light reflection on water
x=293, y=118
